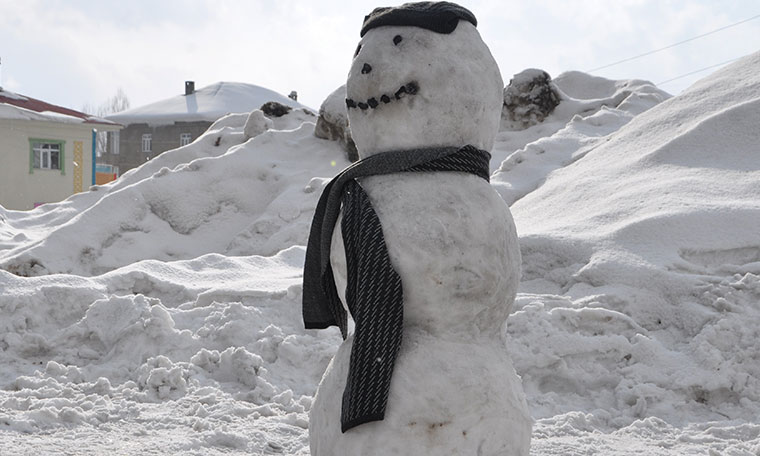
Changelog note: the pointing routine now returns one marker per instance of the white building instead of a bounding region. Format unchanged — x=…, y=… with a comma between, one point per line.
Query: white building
x=47, y=152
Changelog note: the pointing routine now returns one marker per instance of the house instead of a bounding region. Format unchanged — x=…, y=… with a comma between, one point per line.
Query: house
x=47, y=152
x=177, y=121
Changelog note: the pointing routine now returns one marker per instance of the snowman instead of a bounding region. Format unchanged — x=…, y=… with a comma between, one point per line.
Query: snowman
x=415, y=245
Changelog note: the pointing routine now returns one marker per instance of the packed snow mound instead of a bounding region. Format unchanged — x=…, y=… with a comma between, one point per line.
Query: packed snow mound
x=21, y=228
x=590, y=108
x=643, y=176
x=256, y=124
x=206, y=104
x=212, y=348
x=641, y=266
x=217, y=195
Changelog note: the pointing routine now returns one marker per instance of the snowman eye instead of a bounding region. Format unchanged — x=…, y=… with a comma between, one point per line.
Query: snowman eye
x=397, y=39
x=358, y=48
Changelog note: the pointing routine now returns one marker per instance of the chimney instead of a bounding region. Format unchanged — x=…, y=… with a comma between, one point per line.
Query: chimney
x=189, y=87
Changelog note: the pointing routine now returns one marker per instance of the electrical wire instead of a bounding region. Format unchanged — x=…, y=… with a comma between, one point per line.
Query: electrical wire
x=697, y=71
x=673, y=45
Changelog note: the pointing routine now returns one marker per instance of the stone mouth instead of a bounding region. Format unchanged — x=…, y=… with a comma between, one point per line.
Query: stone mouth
x=410, y=88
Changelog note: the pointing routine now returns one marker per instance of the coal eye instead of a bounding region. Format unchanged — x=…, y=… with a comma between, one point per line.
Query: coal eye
x=358, y=48
x=397, y=39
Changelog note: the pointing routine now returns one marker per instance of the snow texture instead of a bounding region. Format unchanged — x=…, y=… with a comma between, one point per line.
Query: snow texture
x=634, y=329
x=256, y=124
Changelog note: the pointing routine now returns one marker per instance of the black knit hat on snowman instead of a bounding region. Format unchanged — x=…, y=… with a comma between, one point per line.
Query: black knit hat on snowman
x=440, y=17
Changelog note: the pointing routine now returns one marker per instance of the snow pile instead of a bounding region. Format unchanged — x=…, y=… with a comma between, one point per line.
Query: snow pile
x=206, y=104
x=210, y=348
x=634, y=329
x=590, y=108
x=642, y=269
x=256, y=124
x=253, y=198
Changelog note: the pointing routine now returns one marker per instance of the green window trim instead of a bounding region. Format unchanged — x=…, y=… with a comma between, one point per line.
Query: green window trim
x=61, y=156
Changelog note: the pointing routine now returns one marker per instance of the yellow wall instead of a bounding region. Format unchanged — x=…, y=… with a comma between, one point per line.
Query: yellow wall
x=79, y=159
x=21, y=190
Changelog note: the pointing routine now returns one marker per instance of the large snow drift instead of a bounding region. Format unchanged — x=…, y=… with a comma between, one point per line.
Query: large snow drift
x=256, y=197
x=642, y=267
x=152, y=324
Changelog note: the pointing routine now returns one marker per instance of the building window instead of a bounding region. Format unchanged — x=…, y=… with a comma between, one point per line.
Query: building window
x=114, y=143
x=147, y=142
x=46, y=154
x=184, y=139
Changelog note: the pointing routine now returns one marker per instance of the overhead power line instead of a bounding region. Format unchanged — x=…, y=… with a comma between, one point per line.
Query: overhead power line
x=673, y=45
x=697, y=71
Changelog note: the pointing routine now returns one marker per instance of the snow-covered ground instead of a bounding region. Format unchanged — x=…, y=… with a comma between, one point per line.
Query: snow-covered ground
x=160, y=314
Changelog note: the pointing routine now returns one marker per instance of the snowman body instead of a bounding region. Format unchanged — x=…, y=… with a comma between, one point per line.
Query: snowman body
x=451, y=239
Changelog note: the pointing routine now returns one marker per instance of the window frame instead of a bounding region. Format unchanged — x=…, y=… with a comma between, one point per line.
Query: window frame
x=45, y=141
x=147, y=138
x=185, y=139
x=114, y=138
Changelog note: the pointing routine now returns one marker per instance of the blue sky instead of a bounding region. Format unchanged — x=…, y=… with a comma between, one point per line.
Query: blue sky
x=72, y=52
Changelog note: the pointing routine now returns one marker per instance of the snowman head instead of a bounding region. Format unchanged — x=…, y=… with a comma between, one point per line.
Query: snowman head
x=422, y=77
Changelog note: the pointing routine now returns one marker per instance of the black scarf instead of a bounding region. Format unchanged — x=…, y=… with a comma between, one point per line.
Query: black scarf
x=374, y=293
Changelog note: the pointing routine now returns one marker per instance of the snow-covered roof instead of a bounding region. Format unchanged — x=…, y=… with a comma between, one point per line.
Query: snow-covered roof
x=209, y=104
x=16, y=106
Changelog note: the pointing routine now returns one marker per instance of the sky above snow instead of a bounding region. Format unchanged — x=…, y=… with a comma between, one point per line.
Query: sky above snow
x=73, y=52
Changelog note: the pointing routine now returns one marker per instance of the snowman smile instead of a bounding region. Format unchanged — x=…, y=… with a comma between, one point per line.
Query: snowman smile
x=410, y=88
